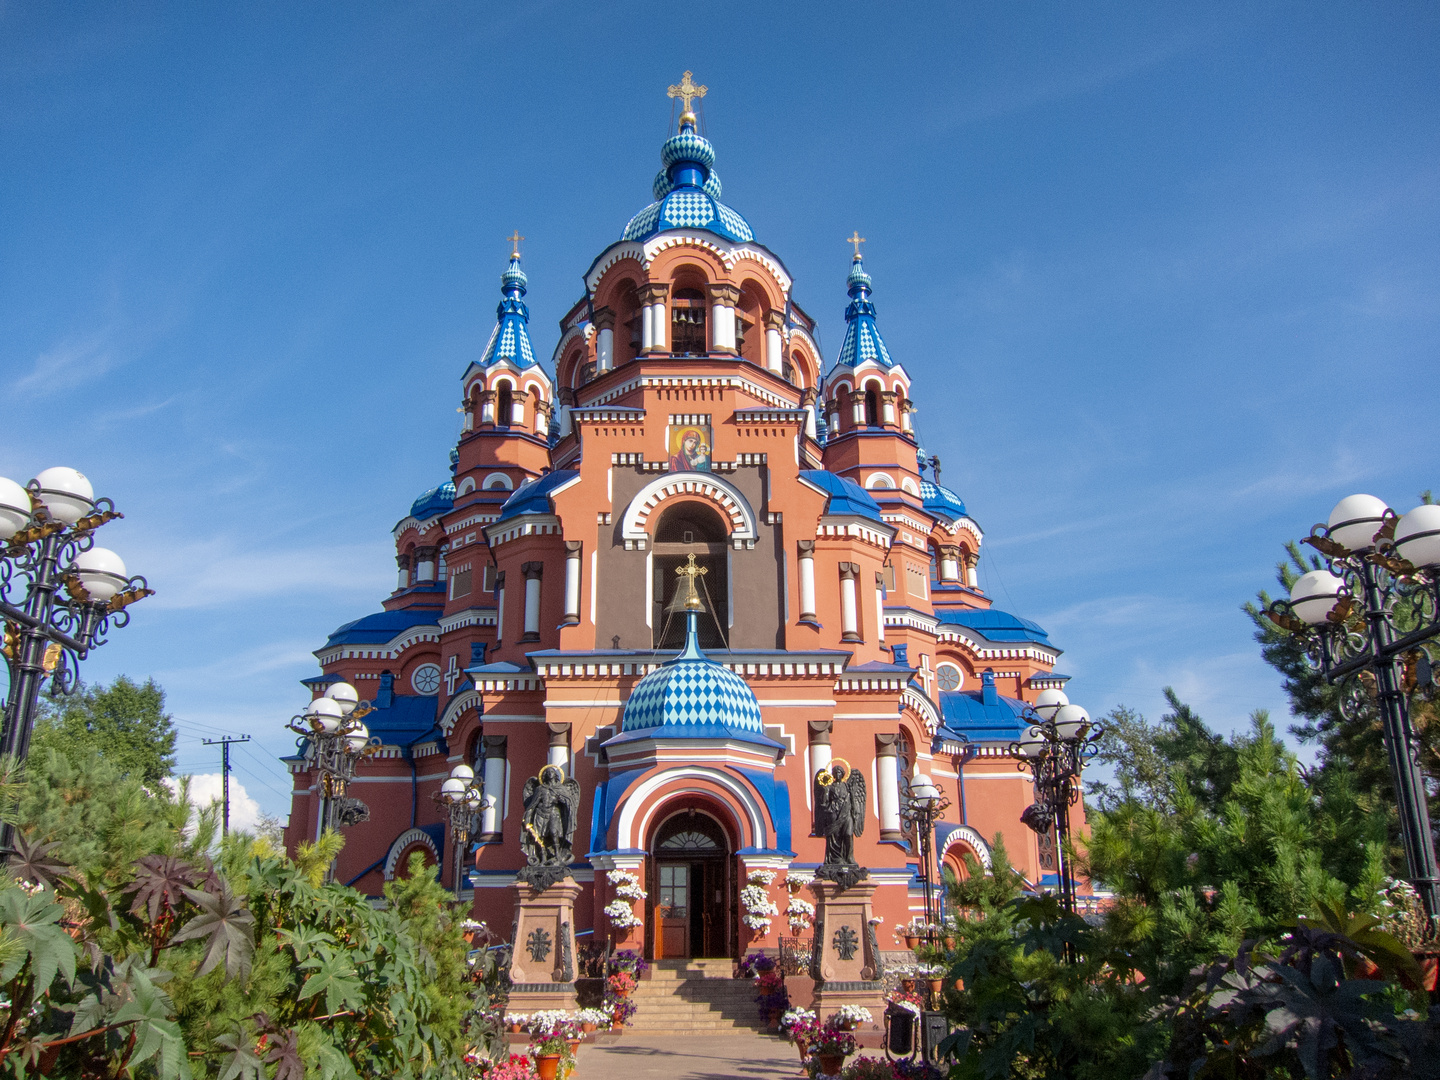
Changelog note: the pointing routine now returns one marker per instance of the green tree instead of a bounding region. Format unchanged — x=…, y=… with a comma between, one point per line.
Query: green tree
x=1157, y=764
x=124, y=723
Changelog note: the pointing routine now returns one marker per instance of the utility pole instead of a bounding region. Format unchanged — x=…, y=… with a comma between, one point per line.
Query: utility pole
x=224, y=745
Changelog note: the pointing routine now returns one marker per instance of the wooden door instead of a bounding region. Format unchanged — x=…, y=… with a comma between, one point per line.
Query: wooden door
x=672, y=910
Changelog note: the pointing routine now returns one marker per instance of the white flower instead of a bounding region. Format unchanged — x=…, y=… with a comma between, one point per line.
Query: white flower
x=760, y=877
x=592, y=1016
x=620, y=914
x=853, y=1014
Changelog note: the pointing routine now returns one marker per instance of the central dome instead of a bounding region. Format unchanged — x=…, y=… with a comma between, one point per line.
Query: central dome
x=687, y=193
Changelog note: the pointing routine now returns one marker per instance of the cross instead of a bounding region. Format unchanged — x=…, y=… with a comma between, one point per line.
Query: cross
x=856, y=239
x=687, y=90
x=691, y=572
x=452, y=676
x=926, y=674
x=515, y=244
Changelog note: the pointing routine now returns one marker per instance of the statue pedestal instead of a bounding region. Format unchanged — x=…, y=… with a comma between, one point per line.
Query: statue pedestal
x=845, y=962
x=542, y=967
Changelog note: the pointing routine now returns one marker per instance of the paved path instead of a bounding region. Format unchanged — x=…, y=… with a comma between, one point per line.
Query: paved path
x=690, y=1057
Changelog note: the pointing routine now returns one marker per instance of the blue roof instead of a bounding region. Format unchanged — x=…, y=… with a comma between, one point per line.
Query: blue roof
x=510, y=340
x=982, y=715
x=407, y=718
x=383, y=625
x=862, y=337
x=687, y=193
x=533, y=496
x=436, y=500
x=995, y=625
x=941, y=501
x=692, y=697
x=846, y=496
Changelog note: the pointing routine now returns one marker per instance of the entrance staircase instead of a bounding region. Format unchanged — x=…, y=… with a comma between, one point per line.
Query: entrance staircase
x=678, y=997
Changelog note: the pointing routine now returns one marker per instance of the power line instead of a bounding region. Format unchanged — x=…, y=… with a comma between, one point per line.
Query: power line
x=224, y=745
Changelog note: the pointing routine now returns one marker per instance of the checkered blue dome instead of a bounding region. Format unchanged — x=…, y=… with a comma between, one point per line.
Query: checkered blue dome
x=862, y=337
x=692, y=695
x=510, y=339
x=687, y=193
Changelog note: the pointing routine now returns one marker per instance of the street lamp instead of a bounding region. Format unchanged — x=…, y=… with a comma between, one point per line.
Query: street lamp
x=922, y=807
x=337, y=740
x=1054, y=751
x=47, y=531
x=460, y=799
x=1376, y=602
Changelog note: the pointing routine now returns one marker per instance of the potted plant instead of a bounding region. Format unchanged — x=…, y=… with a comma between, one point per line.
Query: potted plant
x=554, y=1059
x=868, y=1068
x=590, y=1019
x=831, y=1047
x=516, y=1021
x=620, y=983
x=850, y=1017
x=800, y=1026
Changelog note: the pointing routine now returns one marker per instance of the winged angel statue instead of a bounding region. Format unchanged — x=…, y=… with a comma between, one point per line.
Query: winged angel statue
x=552, y=805
x=840, y=817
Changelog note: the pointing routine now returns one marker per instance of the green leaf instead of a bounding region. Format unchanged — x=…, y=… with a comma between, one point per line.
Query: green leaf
x=336, y=979
x=160, y=883
x=242, y=1063
x=225, y=925
x=33, y=920
x=156, y=1035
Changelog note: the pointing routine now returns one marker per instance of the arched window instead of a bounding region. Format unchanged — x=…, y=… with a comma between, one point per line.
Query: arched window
x=872, y=407
x=690, y=529
x=687, y=316
x=504, y=406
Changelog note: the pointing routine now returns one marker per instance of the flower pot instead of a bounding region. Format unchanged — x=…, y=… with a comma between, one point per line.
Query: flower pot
x=908, y=985
x=587, y=1027
x=621, y=994
x=574, y=1045
x=830, y=1064
x=547, y=1065
x=911, y=941
x=850, y=1025
x=802, y=1045
x=517, y=1028
x=617, y=1025
x=935, y=985
x=949, y=942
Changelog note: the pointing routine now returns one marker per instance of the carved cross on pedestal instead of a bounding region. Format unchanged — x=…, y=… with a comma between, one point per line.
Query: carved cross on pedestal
x=453, y=675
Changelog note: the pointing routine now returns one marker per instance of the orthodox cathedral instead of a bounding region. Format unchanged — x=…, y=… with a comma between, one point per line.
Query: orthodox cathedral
x=692, y=563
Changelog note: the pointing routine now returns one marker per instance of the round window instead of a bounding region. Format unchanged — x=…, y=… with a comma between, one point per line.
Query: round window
x=426, y=679
x=950, y=676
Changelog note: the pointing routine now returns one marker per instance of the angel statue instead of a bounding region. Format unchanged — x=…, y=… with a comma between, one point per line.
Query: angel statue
x=552, y=806
x=840, y=817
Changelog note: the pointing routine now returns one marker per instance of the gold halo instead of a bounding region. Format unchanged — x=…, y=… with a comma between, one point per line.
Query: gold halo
x=823, y=778
x=841, y=761
x=545, y=768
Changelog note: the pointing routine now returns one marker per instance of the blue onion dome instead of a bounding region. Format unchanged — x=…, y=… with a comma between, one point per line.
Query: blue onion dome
x=436, y=500
x=941, y=501
x=692, y=696
x=922, y=459
x=862, y=337
x=510, y=340
x=687, y=192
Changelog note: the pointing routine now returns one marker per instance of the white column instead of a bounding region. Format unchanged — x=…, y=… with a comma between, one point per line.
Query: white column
x=887, y=408
x=717, y=326
x=647, y=328
x=517, y=409
x=880, y=606
x=605, y=350
x=426, y=572
x=558, y=753
x=857, y=407
x=532, y=572
x=499, y=607
x=810, y=429
x=487, y=408
x=888, y=782
x=774, y=351
x=849, y=602
x=572, y=582
x=905, y=410
x=820, y=752
x=807, y=580
x=970, y=564
x=403, y=582
x=657, y=325
x=493, y=787
x=949, y=564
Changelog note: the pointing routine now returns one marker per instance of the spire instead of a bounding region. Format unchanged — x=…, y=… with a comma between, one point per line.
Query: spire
x=511, y=337
x=862, y=342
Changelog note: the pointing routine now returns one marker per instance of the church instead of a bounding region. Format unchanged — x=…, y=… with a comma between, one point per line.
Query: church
x=694, y=564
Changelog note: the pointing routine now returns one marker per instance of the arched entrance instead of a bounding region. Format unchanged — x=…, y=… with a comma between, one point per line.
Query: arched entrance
x=692, y=887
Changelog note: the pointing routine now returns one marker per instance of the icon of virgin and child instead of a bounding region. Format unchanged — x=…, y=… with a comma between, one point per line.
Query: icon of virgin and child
x=690, y=449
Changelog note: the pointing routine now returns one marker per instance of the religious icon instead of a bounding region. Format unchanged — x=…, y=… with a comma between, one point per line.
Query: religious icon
x=690, y=448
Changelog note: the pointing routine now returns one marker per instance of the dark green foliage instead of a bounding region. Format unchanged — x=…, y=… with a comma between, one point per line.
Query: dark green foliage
x=124, y=724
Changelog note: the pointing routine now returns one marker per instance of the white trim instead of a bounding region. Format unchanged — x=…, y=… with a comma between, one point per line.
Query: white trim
x=485, y=484
x=625, y=828
x=730, y=501
x=872, y=482
x=403, y=841
x=929, y=715
x=458, y=705
x=973, y=839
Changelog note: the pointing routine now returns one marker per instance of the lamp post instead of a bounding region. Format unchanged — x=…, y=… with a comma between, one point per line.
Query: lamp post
x=1360, y=621
x=923, y=805
x=1054, y=752
x=47, y=529
x=337, y=738
x=459, y=798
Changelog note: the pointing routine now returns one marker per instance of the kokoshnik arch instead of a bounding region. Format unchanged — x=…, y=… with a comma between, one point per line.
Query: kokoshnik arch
x=686, y=412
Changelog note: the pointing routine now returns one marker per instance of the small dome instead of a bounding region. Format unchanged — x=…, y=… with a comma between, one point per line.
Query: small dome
x=858, y=276
x=941, y=501
x=435, y=501
x=692, y=695
x=687, y=193
x=688, y=146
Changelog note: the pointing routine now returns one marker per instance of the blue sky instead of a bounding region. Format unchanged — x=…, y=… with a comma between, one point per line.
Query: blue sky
x=1165, y=277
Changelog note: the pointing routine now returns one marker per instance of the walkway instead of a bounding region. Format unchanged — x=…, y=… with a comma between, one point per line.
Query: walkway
x=690, y=1057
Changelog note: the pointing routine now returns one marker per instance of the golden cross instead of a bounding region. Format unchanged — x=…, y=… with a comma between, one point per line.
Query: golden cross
x=515, y=244
x=690, y=572
x=857, y=240
x=687, y=90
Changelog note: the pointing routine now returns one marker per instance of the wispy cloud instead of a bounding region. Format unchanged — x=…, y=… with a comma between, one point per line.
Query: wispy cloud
x=69, y=363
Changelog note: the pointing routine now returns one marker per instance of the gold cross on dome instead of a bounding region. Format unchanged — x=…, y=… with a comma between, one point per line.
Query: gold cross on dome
x=856, y=239
x=515, y=244
x=690, y=572
x=687, y=91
